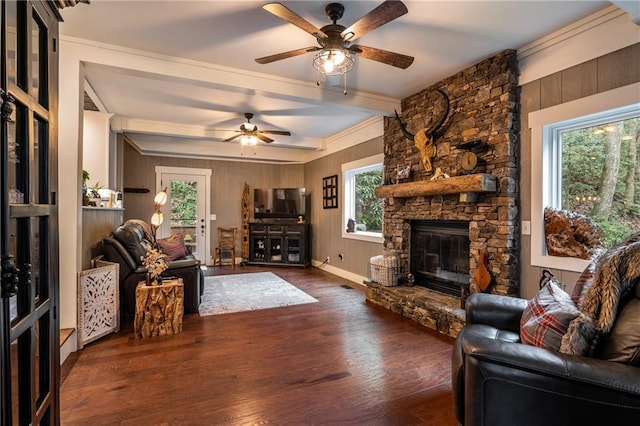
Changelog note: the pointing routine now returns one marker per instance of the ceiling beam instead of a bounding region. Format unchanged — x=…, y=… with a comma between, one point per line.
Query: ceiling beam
x=180, y=68
x=149, y=145
x=120, y=124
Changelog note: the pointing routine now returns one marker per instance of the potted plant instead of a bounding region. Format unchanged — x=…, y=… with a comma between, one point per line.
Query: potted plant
x=94, y=195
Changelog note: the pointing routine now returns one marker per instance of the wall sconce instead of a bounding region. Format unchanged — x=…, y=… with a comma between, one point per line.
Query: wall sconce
x=157, y=218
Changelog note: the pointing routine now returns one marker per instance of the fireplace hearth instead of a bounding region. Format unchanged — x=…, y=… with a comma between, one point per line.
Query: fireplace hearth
x=439, y=255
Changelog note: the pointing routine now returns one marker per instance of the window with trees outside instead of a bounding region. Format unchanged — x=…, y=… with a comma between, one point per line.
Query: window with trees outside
x=361, y=178
x=184, y=203
x=599, y=171
x=585, y=160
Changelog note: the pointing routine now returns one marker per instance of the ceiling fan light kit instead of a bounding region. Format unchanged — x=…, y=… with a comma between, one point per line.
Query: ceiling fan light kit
x=333, y=61
x=249, y=133
x=248, y=140
x=333, y=64
x=336, y=55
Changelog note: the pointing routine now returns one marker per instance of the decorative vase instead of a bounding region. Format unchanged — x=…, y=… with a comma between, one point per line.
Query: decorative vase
x=481, y=274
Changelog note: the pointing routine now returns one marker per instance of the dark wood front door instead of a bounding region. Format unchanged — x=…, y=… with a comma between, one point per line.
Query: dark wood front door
x=29, y=339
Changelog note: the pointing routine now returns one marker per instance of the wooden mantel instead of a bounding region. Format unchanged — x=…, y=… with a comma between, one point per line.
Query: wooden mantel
x=465, y=185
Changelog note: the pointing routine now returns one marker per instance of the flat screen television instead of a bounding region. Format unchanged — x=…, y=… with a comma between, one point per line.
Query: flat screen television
x=279, y=203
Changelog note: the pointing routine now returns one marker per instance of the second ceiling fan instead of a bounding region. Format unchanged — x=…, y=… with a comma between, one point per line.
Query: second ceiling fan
x=338, y=38
x=249, y=130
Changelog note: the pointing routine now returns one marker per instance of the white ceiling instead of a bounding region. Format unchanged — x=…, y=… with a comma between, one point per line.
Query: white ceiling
x=193, y=74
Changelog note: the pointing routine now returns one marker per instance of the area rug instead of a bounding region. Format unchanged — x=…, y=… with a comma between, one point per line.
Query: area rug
x=225, y=294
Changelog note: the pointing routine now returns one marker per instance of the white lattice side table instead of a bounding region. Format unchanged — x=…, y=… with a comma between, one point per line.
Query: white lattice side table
x=98, y=302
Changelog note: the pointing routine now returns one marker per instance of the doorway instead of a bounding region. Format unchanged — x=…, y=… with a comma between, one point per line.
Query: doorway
x=187, y=208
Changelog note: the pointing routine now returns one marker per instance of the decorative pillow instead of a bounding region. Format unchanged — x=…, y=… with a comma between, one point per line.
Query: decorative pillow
x=172, y=247
x=623, y=344
x=547, y=316
x=584, y=282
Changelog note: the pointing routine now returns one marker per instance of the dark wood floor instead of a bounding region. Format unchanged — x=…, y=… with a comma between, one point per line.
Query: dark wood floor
x=339, y=361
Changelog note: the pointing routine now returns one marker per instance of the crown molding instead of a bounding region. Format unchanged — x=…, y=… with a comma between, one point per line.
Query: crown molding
x=600, y=33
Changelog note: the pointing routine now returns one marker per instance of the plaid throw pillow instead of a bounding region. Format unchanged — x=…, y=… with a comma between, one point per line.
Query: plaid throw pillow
x=547, y=316
x=172, y=247
x=584, y=282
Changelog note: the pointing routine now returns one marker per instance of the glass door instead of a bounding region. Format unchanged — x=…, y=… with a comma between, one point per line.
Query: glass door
x=294, y=250
x=275, y=249
x=186, y=215
x=29, y=343
x=257, y=249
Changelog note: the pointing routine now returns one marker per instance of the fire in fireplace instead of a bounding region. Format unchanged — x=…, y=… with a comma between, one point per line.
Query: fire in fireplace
x=439, y=255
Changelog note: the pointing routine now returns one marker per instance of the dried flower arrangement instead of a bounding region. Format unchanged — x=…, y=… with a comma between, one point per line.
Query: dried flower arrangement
x=155, y=264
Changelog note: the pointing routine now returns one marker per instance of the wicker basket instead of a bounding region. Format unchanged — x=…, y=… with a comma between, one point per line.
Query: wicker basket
x=384, y=270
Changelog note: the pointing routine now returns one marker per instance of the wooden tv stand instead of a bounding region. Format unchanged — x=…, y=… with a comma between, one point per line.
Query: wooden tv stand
x=279, y=244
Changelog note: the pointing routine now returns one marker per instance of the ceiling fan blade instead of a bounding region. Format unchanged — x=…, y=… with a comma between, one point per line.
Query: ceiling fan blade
x=232, y=137
x=283, y=12
x=276, y=132
x=285, y=55
x=263, y=138
x=390, y=58
x=384, y=13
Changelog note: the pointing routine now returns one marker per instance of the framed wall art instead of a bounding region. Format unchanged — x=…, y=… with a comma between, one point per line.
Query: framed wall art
x=330, y=192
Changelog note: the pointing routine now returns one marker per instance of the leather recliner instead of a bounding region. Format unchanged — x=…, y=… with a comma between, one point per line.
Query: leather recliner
x=126, y=247
x=498, y=381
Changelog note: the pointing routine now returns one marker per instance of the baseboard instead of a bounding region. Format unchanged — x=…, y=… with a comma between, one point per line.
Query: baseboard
x=357, y=279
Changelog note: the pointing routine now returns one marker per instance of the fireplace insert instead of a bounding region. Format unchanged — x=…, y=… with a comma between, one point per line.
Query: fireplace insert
x=439, y=255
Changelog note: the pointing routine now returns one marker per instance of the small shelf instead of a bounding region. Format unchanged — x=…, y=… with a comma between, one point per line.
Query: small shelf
x=88, y=208
x=466, y=184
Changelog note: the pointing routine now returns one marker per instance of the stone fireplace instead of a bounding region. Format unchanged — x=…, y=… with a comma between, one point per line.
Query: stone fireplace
x=481, y=203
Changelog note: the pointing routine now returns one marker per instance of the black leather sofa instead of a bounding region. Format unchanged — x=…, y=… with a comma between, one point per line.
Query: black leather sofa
x=498, y=381
x=126, y=247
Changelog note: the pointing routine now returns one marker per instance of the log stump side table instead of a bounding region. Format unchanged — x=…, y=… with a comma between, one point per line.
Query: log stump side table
x=159, y=309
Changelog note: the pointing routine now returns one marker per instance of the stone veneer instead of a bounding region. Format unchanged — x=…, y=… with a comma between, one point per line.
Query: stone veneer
x=484, y=104
x=429, y=308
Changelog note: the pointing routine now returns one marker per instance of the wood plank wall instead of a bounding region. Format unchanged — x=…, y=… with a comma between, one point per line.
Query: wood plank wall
x=327, y=223
x=616, y=69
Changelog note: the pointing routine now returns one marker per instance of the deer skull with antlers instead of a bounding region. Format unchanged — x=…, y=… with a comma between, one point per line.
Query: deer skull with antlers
x=424, y=138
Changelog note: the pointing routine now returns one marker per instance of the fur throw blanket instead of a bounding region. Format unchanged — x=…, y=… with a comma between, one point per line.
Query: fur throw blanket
x=617, y=274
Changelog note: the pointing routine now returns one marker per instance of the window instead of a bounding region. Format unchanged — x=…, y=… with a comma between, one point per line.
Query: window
x=585, y=159
x=598, y=170
x=184, y=204
x=360, y=179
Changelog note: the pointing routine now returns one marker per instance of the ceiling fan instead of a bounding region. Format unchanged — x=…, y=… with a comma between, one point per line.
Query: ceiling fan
x=249, y=130
x=336, y=38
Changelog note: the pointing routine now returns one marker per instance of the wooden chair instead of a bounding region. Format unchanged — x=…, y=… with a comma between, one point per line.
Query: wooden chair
x=226, y=243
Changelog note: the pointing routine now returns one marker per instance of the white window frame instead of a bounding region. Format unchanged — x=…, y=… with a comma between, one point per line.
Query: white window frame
x=546, y=164
x=349, y=170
